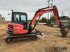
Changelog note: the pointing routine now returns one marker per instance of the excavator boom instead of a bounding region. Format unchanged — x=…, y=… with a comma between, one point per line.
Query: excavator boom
x=40, y=12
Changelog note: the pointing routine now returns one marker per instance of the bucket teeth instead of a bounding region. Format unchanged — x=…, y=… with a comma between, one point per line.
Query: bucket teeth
x=64, y=32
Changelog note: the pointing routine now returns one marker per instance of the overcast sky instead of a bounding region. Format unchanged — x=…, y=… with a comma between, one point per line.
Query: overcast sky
x=30, y=6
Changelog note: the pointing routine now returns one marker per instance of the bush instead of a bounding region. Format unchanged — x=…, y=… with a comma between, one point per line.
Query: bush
x=43, y=20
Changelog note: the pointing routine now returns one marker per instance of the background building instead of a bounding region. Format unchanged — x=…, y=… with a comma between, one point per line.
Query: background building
x=0, y=18
x=63, y=19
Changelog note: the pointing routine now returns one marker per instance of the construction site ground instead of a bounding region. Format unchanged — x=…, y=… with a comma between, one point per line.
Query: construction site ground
x=52, y=42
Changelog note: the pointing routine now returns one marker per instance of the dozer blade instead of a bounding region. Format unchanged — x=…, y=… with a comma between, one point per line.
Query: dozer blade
x=64, y=32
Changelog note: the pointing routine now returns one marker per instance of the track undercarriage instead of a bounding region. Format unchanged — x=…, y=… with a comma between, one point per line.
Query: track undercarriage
x=14, y=38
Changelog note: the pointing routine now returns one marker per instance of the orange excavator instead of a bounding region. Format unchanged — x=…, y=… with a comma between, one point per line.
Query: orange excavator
x=19, y=29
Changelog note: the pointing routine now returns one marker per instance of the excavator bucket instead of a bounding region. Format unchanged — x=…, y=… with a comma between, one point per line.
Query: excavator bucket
x=64, y=32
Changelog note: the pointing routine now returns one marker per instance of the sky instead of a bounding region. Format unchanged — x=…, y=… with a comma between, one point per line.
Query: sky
x=30, y=6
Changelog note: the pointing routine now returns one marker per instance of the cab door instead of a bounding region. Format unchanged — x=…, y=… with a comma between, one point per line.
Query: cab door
x=20, y=18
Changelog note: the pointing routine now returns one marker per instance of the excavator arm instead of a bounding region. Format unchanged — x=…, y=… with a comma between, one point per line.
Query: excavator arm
x=40, y=12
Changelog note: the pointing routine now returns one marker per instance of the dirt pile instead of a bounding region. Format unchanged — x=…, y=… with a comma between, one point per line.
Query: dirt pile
x=53, y=42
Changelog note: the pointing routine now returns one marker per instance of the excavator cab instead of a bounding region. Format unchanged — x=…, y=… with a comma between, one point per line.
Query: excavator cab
x=20, y=18
x=18, y=25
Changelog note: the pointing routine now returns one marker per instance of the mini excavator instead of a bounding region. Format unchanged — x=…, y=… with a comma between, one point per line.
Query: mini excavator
x=19, y=29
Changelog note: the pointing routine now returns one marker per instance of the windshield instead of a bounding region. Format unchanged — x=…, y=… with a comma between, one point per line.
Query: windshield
x=20, y=18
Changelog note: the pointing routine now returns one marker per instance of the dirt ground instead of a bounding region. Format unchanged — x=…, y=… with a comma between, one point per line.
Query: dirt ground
x=53, y=42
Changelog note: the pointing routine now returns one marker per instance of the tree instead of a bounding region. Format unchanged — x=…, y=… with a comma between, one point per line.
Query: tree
x=52, y=18
x=3, y=18
x=48, y=22
x=0, y=15
x=44, y=20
